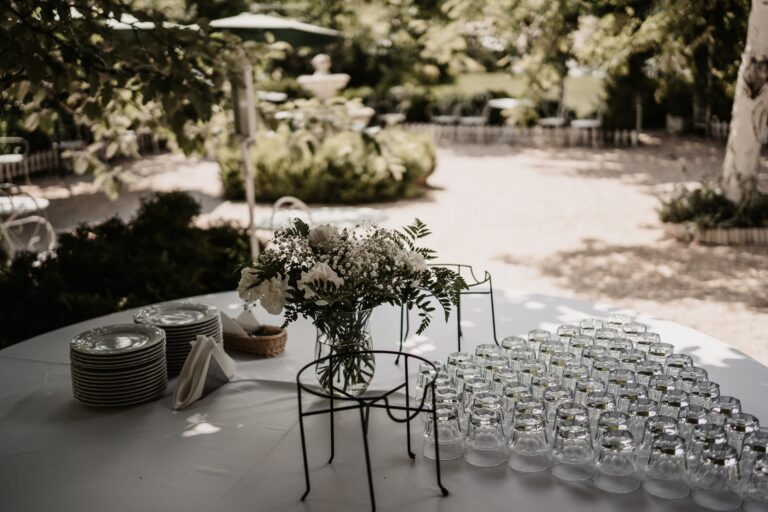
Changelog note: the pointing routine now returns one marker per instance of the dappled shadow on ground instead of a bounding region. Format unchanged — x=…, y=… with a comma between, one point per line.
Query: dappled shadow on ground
x=665, y=272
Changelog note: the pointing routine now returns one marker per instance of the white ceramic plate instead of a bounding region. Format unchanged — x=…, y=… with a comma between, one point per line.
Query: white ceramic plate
x=117, y=339
x=171, y=314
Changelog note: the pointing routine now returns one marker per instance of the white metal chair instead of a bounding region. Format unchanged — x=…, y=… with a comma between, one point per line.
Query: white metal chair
x=16, y=153
x=23, y=225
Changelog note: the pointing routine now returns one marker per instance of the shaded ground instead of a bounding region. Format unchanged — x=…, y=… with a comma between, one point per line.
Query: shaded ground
x=569, y=222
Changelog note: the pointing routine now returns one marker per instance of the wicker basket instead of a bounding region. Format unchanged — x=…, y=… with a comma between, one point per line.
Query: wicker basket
x=268, y=341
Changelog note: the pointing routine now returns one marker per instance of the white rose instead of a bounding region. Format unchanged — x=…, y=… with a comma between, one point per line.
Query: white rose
x=246, y=289
x=323, y=236
x=416, y=262
x=272, y=294
x=321, y=273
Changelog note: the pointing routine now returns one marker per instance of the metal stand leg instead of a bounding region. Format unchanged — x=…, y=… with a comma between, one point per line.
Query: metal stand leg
x=364, y=425
x=333, y=431
x=405, y=328
x=303, y=445
x=493, y=311
x=437, y=446
x=458, y=323
x=408, y=408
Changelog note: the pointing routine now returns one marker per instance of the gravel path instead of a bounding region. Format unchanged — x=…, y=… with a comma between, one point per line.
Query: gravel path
x=571, y=222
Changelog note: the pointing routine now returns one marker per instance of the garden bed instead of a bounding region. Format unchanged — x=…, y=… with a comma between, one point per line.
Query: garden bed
x=689, y=232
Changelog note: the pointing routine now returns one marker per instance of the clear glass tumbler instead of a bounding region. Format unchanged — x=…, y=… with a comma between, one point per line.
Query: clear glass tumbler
x=585, y=386
x=659, y=351
x=660, y=385
x=503, y=378
x=629, y=394
x=655, y=428
x=691, y=376
x=630, y=358
x=640, y=411
x=755, y=446
x=704, y=393
x=450, y=438
x=453, y=360
x=619, y=346
x=560, y=361
x=615, y=464
x=536, y=337
x=633, y=328
x=667, y=472
x=579, y=343
x=547, y=349
x=588, y=326
x=675, y=363
x=572, y=373
x=514, y=343
x=465, y=370
x=605, y=335
x=672, y=402
x=689, y=418
x=644, y=340
x=520, y=355
x=566, y=333
x=486, y=349
x=484, y=444
x=598, y=403
x=738, y=426
x=756, y=488
x=648, y=370
x=716, y=485
x=553, y=397
x=529, y=448
x=604, y=366
x=492, y=363
x=573, y=454
x=722, y=408
x=619, y=378
x=611, y=421
x=592, y=354
x=472, y=385
x=704, y=437
x=541, y=383
x=530, y=368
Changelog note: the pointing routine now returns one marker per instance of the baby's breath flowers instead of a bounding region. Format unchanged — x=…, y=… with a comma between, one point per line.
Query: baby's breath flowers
x=323, y=271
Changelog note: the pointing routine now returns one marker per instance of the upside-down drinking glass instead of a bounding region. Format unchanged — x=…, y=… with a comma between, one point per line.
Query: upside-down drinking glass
x=603, y=366
x=547, y=349
x=465, y=370
x=660, y=385
x=578, y=343
x=755, y=446
x=654, y=428
x=628, y=394
x=610, y=421
x=591, y=354
x=675, y=363
x=519, y=356
x=659, y=351
x=644, y=340
x=604, y=336
x=640, y=411
x=541, y=383
x=617, y=320
x=615, y=463
x=486, y=349
x=619, y=346
x=704, y=437
x=529, y=448
x=689, y=418
x=572, y=373
x=588, y=326
x=565, y=333
x=514, y=343
x=704, y=393
x=553, y=397
x=756, y=489
x=536, y=337
x=453, y=360
x=738, y=426
x=502, y=378
x=598, y=403
x=691, y=376
x=559, y=361
x=530, y=368
x=585, y=386
x=619, y=378
x=473, y=385
x=484, y=444
x=716, y=485
x=722, y=408
x=573, y=453
x=450, y=438
x=667, y=473
x=647, y=370
x=492, y=363
x=672, y=402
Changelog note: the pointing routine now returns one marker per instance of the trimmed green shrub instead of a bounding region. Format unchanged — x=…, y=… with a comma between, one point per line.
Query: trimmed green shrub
x=327, y=166
x=709, y=208
x=160, y=255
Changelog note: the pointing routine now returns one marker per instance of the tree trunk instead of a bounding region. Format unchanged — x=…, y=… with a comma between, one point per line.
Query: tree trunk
x=750, y=111
x=638, y=113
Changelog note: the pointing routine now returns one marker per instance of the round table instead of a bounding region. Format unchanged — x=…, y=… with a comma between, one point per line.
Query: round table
x=238, y=448
x=21, y=205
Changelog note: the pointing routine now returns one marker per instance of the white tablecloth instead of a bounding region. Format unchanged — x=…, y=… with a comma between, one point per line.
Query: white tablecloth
x=238, y=449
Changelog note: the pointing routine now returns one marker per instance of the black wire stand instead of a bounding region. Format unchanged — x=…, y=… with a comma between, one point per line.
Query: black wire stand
x=364, y=404
x=475, y=285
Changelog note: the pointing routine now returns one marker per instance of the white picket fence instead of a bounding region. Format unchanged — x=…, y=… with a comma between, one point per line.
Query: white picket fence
x=48, y=160
x=537, y=136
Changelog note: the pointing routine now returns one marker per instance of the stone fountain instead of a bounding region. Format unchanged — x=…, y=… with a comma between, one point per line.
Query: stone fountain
x=323, y=85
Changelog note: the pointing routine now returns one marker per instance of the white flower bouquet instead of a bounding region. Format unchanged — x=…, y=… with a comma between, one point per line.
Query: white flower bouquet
x=337, y=276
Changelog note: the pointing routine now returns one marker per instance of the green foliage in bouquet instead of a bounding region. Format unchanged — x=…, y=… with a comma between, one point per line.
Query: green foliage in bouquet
x=707, y=207
x=160, y=255
x=323, y=273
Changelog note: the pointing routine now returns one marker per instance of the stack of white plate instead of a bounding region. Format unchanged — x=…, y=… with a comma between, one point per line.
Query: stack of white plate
x=182, y=323
x=118, y=365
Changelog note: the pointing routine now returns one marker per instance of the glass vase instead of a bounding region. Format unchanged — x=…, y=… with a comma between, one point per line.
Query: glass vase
x=340, y=335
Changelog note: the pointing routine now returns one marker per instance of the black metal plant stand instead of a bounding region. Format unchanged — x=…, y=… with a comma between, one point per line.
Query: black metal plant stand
x=363, y=404
x=474, y=286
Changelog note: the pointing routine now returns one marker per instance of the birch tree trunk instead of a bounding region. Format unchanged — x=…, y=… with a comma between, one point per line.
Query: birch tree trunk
x=750, y=111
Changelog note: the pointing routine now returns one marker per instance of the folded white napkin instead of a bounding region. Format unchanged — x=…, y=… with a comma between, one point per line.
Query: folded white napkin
x=240, y=326
x=197, y=367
